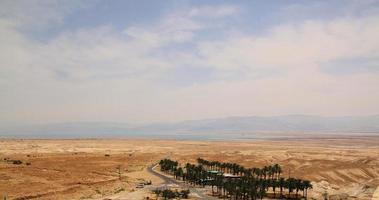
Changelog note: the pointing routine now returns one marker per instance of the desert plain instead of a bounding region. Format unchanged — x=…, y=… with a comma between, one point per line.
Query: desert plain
x=342, y=168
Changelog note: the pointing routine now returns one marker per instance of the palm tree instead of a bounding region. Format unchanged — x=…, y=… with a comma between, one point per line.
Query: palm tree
x=178, y=172
x=307, y=185
x=253, y=183
x=274, y=185
x=265, y=169
x=282, y=183
x=262, y=190
x=270, y=172
x=290, y=185
x=298, y=186
x=277, y=170
x=213, y=183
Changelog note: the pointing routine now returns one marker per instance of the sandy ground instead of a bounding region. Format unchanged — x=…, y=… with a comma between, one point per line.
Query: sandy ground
x=97, y=169
x=375, y=196
x=134, y=193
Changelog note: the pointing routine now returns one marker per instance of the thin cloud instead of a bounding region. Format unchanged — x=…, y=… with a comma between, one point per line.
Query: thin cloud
x=214, y=11
x=180, y=67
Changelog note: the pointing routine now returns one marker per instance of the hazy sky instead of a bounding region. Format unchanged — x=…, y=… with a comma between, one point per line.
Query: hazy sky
x=149, y=61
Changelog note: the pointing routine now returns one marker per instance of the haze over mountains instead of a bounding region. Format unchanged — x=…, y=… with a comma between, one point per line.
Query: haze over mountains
x=209, y=128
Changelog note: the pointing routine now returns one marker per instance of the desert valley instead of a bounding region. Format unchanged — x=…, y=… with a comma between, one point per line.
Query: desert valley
x=189, y=99
x=342, y=168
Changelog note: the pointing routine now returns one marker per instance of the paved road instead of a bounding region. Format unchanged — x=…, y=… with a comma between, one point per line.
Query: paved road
x=166, y=179
x=200, y=193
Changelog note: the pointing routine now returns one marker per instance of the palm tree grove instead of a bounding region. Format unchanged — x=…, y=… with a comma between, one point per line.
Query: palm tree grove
x=231, y=180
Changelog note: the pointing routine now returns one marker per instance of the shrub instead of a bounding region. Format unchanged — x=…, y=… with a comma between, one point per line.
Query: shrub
x=119, y=190
x=17, y=162
x=169, y=194
x=184, y=194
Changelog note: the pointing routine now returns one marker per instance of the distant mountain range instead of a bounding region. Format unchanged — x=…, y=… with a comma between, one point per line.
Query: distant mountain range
x=227, y=127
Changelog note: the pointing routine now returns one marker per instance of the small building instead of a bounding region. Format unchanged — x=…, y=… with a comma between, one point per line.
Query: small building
x=227, y=175
x=215, y=172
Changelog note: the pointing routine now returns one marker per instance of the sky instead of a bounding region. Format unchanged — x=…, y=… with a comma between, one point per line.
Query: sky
x=165, y=61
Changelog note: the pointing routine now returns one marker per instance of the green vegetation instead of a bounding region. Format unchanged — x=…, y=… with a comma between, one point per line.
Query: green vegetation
x=169, y=194
x=235, y=181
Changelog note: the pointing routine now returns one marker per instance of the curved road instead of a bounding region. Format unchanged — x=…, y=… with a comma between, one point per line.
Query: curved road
x=199, y=193
x=166, y=179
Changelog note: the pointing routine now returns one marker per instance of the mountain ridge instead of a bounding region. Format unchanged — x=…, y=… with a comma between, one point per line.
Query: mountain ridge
x=226, y=125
